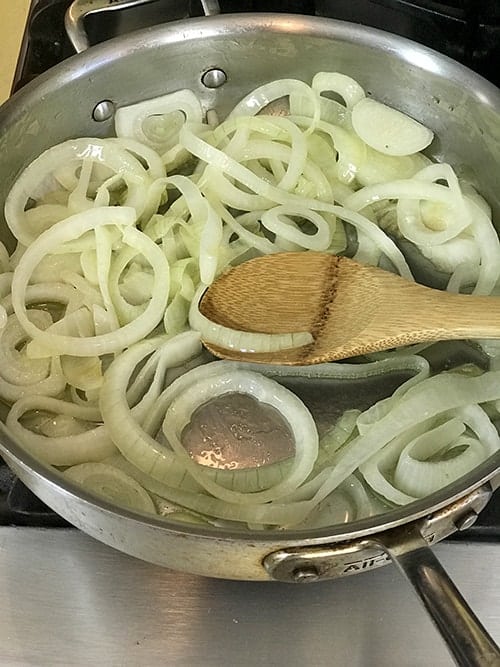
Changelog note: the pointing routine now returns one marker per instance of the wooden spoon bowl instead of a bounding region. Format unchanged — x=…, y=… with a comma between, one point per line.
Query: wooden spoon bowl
x=349, y=308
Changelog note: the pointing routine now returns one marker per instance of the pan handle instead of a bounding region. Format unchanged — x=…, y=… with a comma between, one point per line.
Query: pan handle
x=467, y=639
x=408, y=547
x=77, y=12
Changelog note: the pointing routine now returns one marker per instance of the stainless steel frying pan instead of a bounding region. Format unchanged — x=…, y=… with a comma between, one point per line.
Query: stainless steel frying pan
x=221, y=58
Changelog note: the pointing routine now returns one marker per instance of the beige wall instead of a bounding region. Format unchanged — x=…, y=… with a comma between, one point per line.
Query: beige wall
x=13, y=15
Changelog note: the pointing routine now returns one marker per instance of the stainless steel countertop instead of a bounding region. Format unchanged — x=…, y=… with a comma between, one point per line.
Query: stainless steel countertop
x=66, y=599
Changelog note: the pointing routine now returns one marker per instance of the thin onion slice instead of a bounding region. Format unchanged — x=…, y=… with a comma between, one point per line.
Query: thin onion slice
x=108, y=342
x=388, y=130
x=427, y=456
x=125, y=424
x=78, y=446
x=336, y=82
x=245, y=341
x=274, y=91
x=268, y=391
x=38, y=179
x=111, y=484
x=157, y=122
x=418, y=476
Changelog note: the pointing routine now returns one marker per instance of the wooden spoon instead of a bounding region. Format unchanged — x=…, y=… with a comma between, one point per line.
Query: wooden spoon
x=349, y=308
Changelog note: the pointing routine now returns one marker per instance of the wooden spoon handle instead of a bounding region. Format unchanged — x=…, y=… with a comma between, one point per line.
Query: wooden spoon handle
x=398, y=312
x=462, y=315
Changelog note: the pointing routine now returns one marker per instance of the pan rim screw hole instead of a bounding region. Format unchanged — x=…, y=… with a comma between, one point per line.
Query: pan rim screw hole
x=214, y=78
x=104, y=110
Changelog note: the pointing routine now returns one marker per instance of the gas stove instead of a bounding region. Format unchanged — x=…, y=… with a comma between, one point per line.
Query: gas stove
x=466, y=30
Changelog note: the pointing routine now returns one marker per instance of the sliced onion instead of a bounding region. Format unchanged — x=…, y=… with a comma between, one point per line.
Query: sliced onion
x=21, y=376
x=339, y=83
x=133, y=441
x=245, y=341
x=378, y=470
x=427, y=457
x=273, y=513
x=69, y=229
x=285, y=143
x=420, y=477
x=157, y=122
x=76, y=446
x=487, y=239
x=84, y=373
x=204, y=215
x=278, y=220
x=348, y=503
x=388, y=130
x=155, y=166
x=265, y=390
x=433, y=222
x=264, y=95
x=35, y=180
x=112, y=484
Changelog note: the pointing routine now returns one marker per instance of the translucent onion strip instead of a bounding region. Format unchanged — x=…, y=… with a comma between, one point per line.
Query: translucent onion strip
x=72, y=228
x=112, y=484
x=79, y=445
x=339, y=83
x=122, y=425
x=279, y=221
x=203, y=214
x=427, y=457
x=418, y=476
x=246, y=341
x=38, y=179
x=267, y=391
x=273, y=513
x=156, y=122
x=274, y=91
x=21, y=376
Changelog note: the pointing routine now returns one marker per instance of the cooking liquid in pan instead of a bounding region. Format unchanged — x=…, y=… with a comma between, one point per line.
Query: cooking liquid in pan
x=236, y=432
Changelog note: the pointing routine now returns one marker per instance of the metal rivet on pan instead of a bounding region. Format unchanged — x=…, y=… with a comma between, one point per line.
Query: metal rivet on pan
x=214, y=78
x=466, y=521
x=103, y=111
x=305, y=575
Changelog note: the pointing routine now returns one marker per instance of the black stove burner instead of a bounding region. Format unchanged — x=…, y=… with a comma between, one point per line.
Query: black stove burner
x=466, y=30
x=20, y=507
